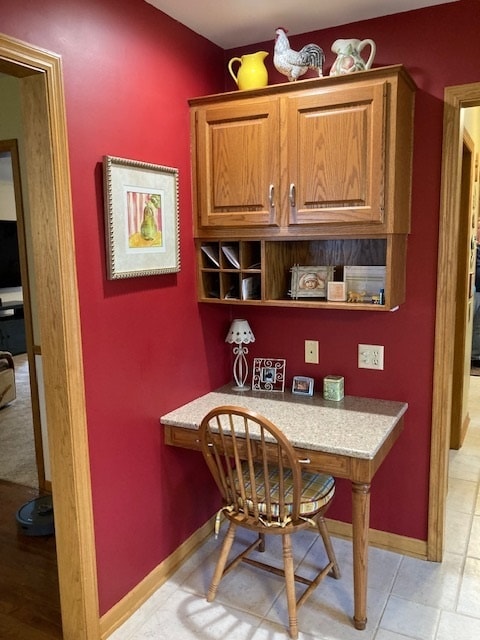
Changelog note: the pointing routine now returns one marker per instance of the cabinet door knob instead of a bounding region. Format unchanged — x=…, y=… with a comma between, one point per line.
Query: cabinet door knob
x=271, y=197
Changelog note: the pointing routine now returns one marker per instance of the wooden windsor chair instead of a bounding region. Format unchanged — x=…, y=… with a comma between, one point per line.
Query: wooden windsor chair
x=267, y=489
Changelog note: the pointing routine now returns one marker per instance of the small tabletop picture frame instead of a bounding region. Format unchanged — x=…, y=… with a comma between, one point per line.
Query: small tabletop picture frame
x=268, y=374
x=310, y=282
x=302, y=385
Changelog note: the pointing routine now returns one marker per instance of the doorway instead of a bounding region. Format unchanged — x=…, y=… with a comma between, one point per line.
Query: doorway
x=464, y=295
x=456, y=98
x=48, y=188
x=16, y=278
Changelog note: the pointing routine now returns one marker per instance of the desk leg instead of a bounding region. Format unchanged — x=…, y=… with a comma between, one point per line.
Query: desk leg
x=360, y=524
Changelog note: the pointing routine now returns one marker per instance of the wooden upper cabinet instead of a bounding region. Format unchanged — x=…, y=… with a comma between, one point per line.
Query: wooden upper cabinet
x=324, y=156
x=336, y=156
x=237, y=164
x=313, y=173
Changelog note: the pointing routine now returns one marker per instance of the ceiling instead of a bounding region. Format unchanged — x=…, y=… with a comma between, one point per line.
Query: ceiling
x=234, y=23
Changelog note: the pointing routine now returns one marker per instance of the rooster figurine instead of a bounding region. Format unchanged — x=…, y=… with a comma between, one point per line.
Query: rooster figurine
x=294, y=64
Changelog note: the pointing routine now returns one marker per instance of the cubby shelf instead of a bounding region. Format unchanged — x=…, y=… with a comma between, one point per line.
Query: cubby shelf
x=261, y=271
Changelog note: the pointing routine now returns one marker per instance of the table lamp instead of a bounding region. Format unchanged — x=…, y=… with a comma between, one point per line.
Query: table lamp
x=240, y=334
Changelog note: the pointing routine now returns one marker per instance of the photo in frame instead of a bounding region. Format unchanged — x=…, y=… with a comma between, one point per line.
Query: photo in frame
x=302, y=385
x=364, y=282
x=141, y=218
x=268, y=374
x=310, y=282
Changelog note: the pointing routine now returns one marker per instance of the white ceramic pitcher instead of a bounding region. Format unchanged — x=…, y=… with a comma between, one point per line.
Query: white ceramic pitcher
x=349, y=59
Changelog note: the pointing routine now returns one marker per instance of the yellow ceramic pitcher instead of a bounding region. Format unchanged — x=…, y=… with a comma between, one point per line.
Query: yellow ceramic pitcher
x=252, y=73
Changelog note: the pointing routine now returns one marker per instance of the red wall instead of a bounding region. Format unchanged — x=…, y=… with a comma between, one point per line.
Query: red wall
x=147, y=345
x=440, y=47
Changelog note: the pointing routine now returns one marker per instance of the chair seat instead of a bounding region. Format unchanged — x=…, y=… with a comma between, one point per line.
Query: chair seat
x=317, y=490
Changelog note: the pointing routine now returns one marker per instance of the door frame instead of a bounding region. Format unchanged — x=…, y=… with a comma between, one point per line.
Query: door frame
x=48, y=188
x=455, y=99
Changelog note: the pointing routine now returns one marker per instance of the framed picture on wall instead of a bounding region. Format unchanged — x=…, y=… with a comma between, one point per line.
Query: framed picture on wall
x=141, y=218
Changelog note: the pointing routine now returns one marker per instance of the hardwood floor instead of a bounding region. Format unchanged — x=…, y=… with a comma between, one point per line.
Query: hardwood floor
x=29, y=594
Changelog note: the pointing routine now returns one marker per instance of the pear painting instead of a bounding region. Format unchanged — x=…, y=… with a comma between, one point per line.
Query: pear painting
x=144, y=220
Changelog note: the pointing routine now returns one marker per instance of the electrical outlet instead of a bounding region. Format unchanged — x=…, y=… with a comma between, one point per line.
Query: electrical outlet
x=311, y=351
x=370, y=356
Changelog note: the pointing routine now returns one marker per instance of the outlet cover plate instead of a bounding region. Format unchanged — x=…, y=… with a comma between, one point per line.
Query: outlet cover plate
x=370, y=356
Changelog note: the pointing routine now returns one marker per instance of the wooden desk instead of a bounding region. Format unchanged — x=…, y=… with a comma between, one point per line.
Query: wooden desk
x=348, y=439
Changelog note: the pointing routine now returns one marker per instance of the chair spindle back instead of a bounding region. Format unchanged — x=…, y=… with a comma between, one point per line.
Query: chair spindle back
x=249, y=458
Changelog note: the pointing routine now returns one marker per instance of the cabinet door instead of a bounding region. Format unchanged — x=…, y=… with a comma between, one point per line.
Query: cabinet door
x=237, y=164
x=336, y=156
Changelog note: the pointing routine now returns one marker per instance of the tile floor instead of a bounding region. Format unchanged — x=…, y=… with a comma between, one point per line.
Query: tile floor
x=407, y=598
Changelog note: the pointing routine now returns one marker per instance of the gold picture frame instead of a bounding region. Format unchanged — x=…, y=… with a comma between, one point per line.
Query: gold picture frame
x=141, y=218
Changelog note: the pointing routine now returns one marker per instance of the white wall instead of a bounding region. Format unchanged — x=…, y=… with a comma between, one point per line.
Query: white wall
x=7, y=193
x=471, y=122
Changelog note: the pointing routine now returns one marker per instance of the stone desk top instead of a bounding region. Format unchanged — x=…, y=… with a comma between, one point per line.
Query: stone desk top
x=355, y=427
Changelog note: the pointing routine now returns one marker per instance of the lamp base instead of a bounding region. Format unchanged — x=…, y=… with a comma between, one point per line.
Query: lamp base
x=245, y=387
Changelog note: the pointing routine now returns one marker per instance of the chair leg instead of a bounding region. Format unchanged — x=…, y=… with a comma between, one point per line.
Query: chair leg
x=290, y=585
x=261, y=546
x=322, y=528
x=222, y=561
